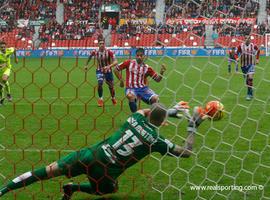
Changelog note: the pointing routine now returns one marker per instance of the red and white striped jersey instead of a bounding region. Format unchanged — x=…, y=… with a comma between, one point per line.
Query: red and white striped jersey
x=136, y=75
x=248, y=54
x=103, y=58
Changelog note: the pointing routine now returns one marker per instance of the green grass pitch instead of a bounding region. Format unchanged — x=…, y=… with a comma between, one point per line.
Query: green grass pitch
x=55, y=112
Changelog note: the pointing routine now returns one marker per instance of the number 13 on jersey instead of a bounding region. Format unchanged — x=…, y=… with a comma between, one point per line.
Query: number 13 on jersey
x=123, y=147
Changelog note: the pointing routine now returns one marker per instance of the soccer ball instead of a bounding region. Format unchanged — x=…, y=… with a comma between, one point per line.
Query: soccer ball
x=214, y=109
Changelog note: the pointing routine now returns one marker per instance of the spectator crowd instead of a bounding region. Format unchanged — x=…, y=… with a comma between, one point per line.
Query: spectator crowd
x=81, y=17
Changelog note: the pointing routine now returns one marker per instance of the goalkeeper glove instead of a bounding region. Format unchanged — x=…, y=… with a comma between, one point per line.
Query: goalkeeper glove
x=199, y=115
x=180, y=110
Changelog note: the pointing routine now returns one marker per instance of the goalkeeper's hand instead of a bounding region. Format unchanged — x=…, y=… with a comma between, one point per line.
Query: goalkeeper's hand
x=198, y=116
x=180, y=110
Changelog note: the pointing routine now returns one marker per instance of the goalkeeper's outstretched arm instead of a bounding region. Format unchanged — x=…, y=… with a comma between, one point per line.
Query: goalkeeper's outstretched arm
x=181, y=110
x=194, y=122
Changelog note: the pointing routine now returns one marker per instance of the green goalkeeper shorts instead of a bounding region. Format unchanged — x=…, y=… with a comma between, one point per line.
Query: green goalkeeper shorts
x=76, y=163
x=86, y=161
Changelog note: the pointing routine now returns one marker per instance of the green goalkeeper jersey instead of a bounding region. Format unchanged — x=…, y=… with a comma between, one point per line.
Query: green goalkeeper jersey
x=5, y=58
x=135, y=139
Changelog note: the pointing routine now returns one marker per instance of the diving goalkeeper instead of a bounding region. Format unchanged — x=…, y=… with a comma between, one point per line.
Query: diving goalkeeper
x=104, y=162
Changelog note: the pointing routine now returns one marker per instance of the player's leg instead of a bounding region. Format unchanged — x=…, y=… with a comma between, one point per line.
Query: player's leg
x=244, y=71
x=3, y=85
x=100, y=78
x=148, y=95
x=131, y=96
x=106, y=185
x=100, y=187
x=110, y=83
x=75, y=164
x=229, y=65
x=249, y=82
x=236, y=65
x=98, y=183
x=2, y=98
x=70, y=188
x=249, y=86
x=6, y=84
x=71, y=165
x=30, y=177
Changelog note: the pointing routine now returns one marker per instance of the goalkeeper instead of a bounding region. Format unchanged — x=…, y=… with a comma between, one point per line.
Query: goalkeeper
x=5, y=70
x=104, y=162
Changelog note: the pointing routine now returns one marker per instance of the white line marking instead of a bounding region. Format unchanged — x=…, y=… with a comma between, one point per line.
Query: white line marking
x=3, y=176
x=37, y=150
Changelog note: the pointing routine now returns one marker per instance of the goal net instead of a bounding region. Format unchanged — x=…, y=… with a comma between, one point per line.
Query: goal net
x=54, y=109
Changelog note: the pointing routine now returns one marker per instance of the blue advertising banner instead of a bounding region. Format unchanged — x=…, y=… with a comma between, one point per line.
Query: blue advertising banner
x=124, y=52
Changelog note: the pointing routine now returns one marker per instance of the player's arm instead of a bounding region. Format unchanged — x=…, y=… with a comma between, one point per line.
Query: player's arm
x=194, y=122
x=175, y=149
x=114, y=61
x=154, y=75
x=88, y=60
x=257, y=54
x=164, y=146
x=108, y=67
x=117, y=71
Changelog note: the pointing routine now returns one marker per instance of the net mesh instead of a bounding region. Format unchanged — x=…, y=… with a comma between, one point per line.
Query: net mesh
x=55, y=112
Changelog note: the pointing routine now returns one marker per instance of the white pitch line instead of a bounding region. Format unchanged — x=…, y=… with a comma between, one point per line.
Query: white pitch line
x=48, y=98
x=3, y=176
x=0, y=173
x=38, y=150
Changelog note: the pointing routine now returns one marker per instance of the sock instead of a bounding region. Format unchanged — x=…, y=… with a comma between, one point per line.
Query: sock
x=229, y=68
x=111, y=88
x=100, y=91
x=1, y=91
x=7, y=87
x=112, y=91
x=24, y=180
x=236, y=67
x=132, y=106
x=249, y=85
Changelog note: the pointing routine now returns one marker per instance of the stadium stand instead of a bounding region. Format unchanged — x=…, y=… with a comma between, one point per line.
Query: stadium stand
x=80, y=30
x=211, y=8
